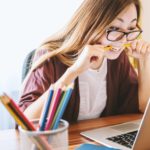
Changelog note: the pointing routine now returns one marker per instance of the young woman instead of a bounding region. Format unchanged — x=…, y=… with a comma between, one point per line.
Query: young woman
x=105, y=82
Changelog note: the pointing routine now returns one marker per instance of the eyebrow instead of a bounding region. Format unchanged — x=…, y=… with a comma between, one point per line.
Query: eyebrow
x=120, y=19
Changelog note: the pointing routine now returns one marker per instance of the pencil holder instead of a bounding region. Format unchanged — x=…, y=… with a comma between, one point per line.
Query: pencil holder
x=34, y=140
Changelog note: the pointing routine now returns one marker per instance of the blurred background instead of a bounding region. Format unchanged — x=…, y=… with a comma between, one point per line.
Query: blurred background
x=23, y=26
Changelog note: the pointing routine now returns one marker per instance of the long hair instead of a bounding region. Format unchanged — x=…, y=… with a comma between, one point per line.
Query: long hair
x=86, y=26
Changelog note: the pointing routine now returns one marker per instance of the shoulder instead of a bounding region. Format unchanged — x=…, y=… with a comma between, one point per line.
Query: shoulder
x=52, y=67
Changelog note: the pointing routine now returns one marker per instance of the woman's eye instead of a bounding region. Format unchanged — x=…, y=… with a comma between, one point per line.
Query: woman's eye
x=132, y=28
x=113, y=28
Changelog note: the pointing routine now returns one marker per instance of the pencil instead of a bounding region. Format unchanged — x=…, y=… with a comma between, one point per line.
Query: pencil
x=107, y=48
x=127, y=45
x=13, y=109
x=20, y=113
x=63, y=106
x=16, y=118
x=53, y=108
x=58, y=109
x=44, y=114
x=7, y=105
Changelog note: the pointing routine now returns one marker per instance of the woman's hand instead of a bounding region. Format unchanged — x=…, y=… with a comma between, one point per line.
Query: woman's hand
x=139, y=49
x=90, y=55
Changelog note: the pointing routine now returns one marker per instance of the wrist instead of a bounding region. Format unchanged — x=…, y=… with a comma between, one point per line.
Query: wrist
x=67, y=77
x=73, y=72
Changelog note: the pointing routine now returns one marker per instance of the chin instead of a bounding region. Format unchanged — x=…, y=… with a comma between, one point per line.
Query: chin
x=113, y=55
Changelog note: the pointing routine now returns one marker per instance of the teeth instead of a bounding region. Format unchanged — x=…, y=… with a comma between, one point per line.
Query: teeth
x=115, y=50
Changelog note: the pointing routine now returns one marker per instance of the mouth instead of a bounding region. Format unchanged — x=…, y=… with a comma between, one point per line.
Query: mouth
x=115, y=49
x=112, y=48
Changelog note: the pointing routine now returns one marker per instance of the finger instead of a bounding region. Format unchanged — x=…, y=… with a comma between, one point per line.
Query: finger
x=133, y=44
x=148, y=48
x=144, y=49
x=139, y=46
x=129, y=51
x=99, y=49
x=98, y=46
x=133, y=53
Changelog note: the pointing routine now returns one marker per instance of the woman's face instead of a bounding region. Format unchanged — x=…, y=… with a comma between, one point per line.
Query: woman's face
x=126, y=21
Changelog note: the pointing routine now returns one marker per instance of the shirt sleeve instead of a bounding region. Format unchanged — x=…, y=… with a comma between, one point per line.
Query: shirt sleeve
x=38, y=82
x=128, y=88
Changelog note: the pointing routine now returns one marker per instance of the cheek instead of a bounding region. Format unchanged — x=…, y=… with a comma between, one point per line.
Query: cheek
x=103, y=41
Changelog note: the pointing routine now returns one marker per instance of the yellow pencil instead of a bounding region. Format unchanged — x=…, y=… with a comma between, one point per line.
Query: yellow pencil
x=107, y=48
x=127, y=45
x=36, y=140
x=5, y=102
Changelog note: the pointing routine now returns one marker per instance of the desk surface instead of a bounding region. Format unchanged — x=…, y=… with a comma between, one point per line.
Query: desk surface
x=9, y=139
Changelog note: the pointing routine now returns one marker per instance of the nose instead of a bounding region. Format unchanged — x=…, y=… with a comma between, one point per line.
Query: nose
x=121, y=42
x=124, y=39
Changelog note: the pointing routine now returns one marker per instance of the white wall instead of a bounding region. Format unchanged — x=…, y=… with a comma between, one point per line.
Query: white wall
x=146, y=19
x=23, y=26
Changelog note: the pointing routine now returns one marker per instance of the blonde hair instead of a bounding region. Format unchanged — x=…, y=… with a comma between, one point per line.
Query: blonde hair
x=87, y=25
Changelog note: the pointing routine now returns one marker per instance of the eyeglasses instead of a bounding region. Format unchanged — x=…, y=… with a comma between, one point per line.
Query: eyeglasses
x=115, y=35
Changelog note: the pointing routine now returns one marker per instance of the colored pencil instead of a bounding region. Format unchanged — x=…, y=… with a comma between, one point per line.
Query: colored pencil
x=58, y=109
x=30, y=126
x=15, y=116
x=63, y=106
x=8, y=106
x=53, y=108
x=13, y=109
x=45, y=111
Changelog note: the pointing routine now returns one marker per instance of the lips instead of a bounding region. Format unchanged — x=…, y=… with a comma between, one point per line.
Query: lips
x=114, y=52
x=115, y=49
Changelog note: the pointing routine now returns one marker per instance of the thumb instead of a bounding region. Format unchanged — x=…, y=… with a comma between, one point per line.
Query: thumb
x=128, y=51
x=100, y=48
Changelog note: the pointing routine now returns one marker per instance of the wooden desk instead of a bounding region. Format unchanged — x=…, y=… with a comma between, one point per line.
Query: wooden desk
x=9, y=139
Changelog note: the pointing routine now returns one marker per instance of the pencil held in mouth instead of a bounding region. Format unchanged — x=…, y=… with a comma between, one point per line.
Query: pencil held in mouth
x=107, y=48
x=127, y=45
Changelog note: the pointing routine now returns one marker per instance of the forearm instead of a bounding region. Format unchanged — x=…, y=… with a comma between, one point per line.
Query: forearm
x=144, y=82
x=69, y=76
x=34, y=110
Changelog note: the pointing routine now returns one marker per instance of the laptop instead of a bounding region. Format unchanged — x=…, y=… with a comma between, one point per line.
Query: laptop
x=133, y=135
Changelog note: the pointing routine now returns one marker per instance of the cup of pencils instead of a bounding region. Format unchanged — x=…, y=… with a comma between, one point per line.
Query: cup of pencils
x=57, y=139
x=50, y=132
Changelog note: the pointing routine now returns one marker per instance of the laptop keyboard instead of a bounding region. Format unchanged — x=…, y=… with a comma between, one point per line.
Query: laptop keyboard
x=126, y=139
